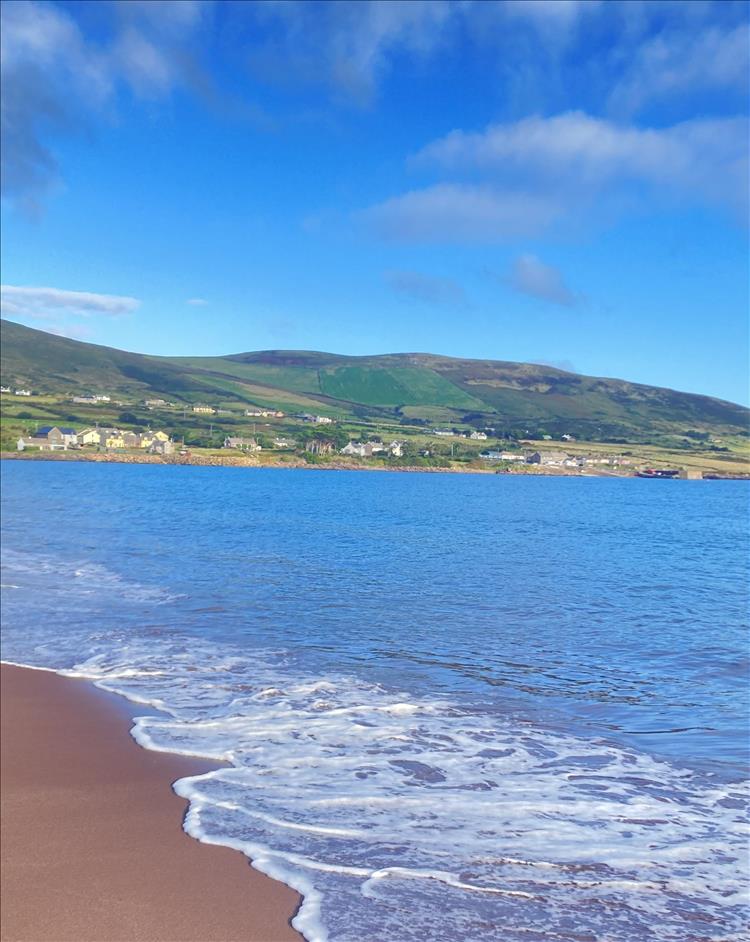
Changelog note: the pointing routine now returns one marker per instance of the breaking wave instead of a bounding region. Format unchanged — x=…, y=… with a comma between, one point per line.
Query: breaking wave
x=398, y=816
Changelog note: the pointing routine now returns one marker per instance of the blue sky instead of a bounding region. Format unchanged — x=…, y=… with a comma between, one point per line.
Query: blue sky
x=560, y=182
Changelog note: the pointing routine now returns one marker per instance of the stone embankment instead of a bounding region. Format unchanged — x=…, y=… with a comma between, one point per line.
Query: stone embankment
x=295, y=461
x=225, y=461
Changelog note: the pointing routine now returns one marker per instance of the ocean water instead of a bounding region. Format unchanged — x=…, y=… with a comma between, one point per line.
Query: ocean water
x=453, y=707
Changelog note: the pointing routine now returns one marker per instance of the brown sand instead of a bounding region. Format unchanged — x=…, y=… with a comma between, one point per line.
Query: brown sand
x=92, y=847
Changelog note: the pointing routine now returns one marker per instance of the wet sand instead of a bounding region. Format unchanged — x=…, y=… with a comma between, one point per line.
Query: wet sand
x=92, y=844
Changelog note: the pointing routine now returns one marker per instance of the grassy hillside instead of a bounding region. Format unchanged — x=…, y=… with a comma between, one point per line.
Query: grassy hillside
x=519, y=399
x=394, y=386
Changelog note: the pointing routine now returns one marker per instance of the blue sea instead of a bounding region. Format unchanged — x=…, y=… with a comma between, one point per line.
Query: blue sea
x=454, y=707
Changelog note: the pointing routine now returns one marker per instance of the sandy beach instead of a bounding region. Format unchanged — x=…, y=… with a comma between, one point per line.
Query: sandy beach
x=92, y=845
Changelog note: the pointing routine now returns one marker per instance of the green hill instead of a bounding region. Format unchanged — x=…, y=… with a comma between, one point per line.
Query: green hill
x=408, y=388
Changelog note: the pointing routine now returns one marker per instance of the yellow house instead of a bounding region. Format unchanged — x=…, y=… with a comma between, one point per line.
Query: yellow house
x=89, y=436
x=114, y=440
x=148, y=438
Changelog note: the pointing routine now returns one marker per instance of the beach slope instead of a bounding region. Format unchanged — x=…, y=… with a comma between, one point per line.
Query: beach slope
x=92, y=845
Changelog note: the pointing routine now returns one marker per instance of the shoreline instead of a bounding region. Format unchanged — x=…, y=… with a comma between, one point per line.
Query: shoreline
x=237, y=461
x=92, y=844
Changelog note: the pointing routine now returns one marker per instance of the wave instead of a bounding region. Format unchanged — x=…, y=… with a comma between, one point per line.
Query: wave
x=76, y=578
x=403, y=817
x=397, y=816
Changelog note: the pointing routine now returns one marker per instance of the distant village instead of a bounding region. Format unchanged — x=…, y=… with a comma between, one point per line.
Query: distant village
x=63, y=438
x=557, y=459
x=318, y=443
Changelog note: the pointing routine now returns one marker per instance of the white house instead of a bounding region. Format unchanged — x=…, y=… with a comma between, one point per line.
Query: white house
x=50, y=438
x=355, y=449
x=548, y=458
x=159, y=447
x=23, y=392
x=363, y=449
x=244, y=444
x=479, y=436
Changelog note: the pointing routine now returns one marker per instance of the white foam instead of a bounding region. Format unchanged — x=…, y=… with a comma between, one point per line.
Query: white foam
x=372, y=803
x=80, y=579
x=28, y=667
x=367, y=800
x=442, y=877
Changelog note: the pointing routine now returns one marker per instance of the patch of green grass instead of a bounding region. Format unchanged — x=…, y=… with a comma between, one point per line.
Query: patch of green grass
x=393, y=386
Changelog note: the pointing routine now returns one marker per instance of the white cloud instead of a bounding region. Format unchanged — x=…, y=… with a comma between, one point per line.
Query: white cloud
x=151, y=46
x=594, y=150
x=685, y=61
x=450, y=212
x=520, y=178
x=429, y=289
x=50, y=303
x=148, y=71
x=531, y=276
x=348, y=46
x=197, y=302
x=58, y=75
x=54, y=80
x=173, y=17
x=43, y=35
x=554, y=19
x=38, y=42
x=351, y=46
x=620, y=55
